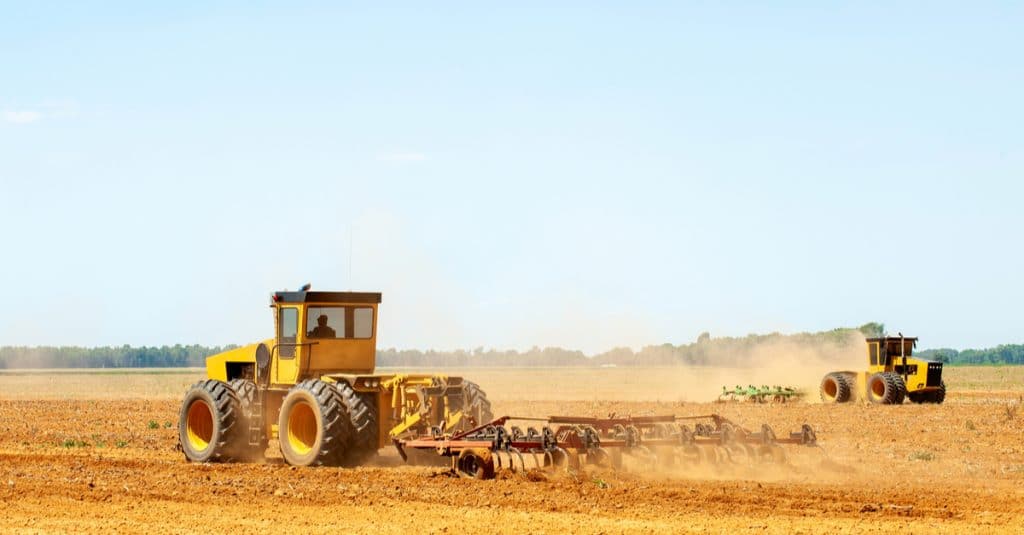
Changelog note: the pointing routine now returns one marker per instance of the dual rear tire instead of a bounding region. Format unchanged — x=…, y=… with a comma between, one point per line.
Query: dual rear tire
x=886, y=388
x=836, y=387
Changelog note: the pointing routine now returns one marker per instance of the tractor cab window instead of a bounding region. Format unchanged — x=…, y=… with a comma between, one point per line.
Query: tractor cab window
x=339, y=322
x=362, y=322
x=325, y=322
x=288, y=329
x=894, y=348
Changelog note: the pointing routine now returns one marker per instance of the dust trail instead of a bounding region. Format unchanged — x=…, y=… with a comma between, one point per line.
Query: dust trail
x=787, y=361
x=778, y=361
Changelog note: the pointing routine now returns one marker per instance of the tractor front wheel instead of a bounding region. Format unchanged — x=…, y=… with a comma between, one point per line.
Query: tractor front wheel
x=314, y=427
x=933, y=396
x=939, y=395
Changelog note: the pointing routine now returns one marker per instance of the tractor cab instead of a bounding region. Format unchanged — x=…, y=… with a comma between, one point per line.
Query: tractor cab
x=319, y=333
x=883, y=351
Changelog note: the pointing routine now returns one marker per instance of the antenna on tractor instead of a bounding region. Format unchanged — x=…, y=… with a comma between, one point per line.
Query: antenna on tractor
x=350, y=233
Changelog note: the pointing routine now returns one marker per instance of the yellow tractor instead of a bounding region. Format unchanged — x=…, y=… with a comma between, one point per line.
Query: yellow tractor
x=893, y=374
x=313, y=388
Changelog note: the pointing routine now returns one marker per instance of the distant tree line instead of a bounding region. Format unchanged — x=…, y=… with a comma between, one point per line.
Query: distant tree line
x=705, y=351
x=176, y=356
x=1002, y=354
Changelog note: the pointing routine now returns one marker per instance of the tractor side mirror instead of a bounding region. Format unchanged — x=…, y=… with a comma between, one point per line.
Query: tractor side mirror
x=262, y=363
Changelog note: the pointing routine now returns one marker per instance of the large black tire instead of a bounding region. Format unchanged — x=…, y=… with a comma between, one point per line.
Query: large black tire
x=362, y=414
x=935, y=396
x=313, y=427
x=900, y=386
x=247, y=392
x=476, y=405
x=886, y=388
x=918, y=397
x=210, y=427
x=939, y=395
x=835, y=388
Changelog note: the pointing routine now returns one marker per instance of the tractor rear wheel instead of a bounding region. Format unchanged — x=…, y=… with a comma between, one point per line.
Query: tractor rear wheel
x=210, y=427
x=314, y=427
x=886, y=388
x=362, y=414
x=835, y=388
x=247, y=392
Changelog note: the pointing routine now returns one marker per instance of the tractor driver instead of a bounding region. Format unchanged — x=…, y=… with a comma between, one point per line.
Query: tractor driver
x=322, y=330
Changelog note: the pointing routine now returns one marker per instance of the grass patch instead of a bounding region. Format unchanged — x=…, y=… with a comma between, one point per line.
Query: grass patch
x=1010, y=410
x=153, y=424
x=922, y=456
x=74, y=443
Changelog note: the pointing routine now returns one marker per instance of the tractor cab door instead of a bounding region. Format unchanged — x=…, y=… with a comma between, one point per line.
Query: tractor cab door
x=876, y=356
x=289, y=353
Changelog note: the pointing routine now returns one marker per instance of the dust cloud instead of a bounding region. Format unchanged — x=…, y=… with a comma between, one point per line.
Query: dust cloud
x=798, y=362
x=781, y=361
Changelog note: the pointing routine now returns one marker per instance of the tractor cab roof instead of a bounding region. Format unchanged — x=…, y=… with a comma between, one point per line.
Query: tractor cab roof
x=325, y=297
x=893, y=339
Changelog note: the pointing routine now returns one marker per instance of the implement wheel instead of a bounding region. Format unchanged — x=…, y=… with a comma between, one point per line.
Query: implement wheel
x=886, y=388
x=314, y=427
x=362, y=415
x=471, y=464
x=835, y=388
x=210, y=427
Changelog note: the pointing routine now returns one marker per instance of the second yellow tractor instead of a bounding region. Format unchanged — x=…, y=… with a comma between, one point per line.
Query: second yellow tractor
x=893, y=375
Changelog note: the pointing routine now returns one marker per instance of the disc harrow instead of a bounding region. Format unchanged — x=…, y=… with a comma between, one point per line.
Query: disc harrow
x=569, y=443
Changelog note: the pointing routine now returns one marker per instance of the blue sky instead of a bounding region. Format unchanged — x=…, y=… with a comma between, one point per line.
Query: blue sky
x=589, y=175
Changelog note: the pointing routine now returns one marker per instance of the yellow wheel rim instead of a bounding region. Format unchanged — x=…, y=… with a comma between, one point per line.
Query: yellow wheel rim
x=302, y=428
x=878, y=389
x=199, y=425
x=831, y=389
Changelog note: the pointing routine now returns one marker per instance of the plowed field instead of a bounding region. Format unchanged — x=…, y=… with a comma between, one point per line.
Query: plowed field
x=97, y=454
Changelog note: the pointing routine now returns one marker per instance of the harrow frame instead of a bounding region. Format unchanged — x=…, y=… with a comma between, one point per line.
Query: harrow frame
x=569, y=442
